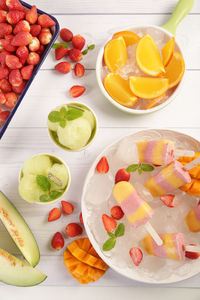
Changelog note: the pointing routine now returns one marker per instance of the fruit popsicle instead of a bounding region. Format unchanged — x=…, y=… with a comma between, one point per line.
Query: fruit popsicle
x=192, y=219
x=168, y=179
x=137, y=211
x=174, y=246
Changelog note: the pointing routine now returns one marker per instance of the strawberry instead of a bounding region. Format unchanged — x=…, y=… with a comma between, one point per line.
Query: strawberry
x=6, y=44
x=78, y=42
x=4, y=71
x=192, y=255
x=169, y=200
x=4, y=115
x=27, y=72
x=3, y=55
x=11, y=99
x=34, y=45
x=35, y=30
x=79, y=70
x=3, y=5
x=22, y=52
x=14, y=4
x=57, y=241
x=54, y=214
x=63, y=67
x=22, y=26
x=76, y=91
x=75, y=54
x=67, y=207
x=32, y=15
x=3, y=16
x=45, y=21
x=13, y=62
x=66, y=35
x=45, y=29
x=19, y=89
x=73, y=229
x=40, y=50
x=9, y=37
x=15, y=78
x=60, y=52
x=14, y=16
x=22, y=39
x=33, y=58
x=5, y=85
x=2, y=98
x=116, y=212
x=81, y=218
x=136, y=255
x=5, y=29
x=109, y=223
x=122, y=175
x=45, y=37
x=102, y=166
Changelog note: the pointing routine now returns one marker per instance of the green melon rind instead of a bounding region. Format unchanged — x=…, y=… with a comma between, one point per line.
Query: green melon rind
x=14, y=271
x=19, y=230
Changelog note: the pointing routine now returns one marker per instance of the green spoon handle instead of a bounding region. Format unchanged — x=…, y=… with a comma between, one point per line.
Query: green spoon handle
x=181, y=10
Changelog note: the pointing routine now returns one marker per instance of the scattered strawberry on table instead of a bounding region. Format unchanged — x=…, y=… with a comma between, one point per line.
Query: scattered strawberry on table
x=23, y=37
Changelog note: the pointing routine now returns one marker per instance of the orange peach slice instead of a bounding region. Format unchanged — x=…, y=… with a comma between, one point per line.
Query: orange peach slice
x=155, y=101
x=130, y=37
x=118, y=88
x=147, y=87
x=175, y=69
x=168, y=50
x=115, y=53
x=148, y=56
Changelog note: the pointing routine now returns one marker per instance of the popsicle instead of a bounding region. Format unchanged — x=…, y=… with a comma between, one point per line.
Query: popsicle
x=192, y=219
x=137, y=211
x=174, y=246
x=159, y=152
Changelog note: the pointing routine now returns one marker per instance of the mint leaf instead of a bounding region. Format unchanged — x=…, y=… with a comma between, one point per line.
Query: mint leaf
x=43, y=182
x=63, y=123
x=91, y=47
x=63, y=113
x=120, y=230
x=140, y=170
x=57, y=45
x=111, y=234
x=147, y=167
x=132, y=168
x=54, y=116
x=109, y=244
x=85, y=52
x=74, y=113
x=44, y=198
x=55, y=194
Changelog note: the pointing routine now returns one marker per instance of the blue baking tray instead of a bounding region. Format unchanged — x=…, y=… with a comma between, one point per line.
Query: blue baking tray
x=55, y=31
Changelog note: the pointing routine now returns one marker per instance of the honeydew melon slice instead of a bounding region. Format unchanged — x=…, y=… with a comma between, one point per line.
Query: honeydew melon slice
x=89, y=117
x=29, y=189
x=37, y=165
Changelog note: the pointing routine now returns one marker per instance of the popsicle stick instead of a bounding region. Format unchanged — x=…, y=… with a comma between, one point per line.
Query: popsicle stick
x=181, y=152
x=192, y=164
x=192, y=248
x=154, y=234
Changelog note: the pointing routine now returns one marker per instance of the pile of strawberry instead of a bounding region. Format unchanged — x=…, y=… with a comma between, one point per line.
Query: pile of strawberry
x=72, y=229
x=23, y=37
x=74, y=54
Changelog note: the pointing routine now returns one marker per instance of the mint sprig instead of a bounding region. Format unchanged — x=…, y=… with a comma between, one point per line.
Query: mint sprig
x=110, y=243
x=140, y=168
x=64, y=115
x=57, y=45
x=90, y=47
x=45, y=185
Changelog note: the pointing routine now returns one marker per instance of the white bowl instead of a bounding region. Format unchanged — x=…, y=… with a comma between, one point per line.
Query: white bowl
x=99, y=75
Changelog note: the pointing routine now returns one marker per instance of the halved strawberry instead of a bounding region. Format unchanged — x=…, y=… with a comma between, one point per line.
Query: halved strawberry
x=79, y=70
x=122, y=175
x=192, y=255
x=81, y=218
x=54, y=214
x=102, y=166
x=67, y=207
x=57, y=241
x=73, y=229
x=116, y=212
x=77, y=90
x=136, y=255
x=60, y=52
x=109, y=223
x=169, y=200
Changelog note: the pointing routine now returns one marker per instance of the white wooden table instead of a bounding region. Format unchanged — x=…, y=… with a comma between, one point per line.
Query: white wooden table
x=28, y=135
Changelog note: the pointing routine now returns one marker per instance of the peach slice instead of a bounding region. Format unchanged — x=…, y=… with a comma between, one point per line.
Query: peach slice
x=115, y=53
x=118, y=88
x=168, y=50
x=130, y=37
x=148, y=56
x=147, y=87
x=175, y=69
x=155, y=101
